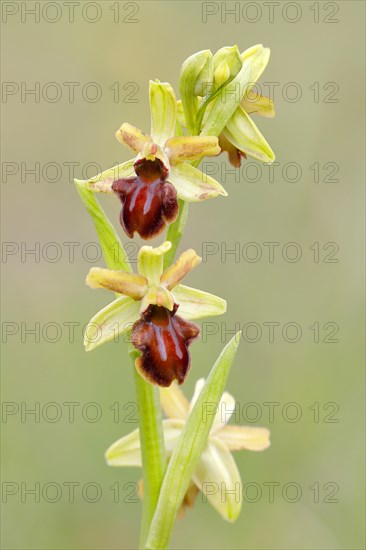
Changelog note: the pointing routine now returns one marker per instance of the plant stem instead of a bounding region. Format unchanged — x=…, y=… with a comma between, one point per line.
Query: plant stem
x=175, y=232
x=152, y=447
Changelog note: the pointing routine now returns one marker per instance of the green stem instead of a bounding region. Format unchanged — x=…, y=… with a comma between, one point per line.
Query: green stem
x=152, y=448
x=175, y=232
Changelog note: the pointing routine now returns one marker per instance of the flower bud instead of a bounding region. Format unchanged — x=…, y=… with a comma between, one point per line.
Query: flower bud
x=222, y=73
x=227, y=63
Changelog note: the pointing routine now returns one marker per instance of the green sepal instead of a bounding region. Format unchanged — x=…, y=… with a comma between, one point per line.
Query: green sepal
x=163, y=108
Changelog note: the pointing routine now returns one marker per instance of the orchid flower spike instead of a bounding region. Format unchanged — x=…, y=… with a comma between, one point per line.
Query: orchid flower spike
x=150, y=184
x=216, y=468
x=147, y=307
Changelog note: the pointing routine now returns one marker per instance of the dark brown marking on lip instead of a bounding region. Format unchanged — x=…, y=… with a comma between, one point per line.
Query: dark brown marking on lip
x=163, y=339
x=149, y=202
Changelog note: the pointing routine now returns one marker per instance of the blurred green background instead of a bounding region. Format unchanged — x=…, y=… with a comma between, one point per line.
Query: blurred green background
x=319, y=47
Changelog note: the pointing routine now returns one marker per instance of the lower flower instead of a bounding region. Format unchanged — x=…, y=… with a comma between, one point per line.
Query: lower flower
x=147, y=306
x=216, y=474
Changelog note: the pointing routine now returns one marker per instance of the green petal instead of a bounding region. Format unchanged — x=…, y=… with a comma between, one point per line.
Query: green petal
x=245, y=136
x=132, y=137
x=151, y=260
x=192, y=185
x=121, y=282
x=163, y=107
x=187, y=261
x=196, y=304
x=218, y=477
x=109, y=322
x=256, y=58
x=103, y=182
x=183, y=148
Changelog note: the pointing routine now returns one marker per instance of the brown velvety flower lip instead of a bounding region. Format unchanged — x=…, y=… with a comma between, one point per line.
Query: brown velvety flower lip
x=149, y=202
x=163, y=339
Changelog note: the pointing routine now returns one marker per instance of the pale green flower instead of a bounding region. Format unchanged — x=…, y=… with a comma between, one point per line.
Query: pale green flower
x=216, y=474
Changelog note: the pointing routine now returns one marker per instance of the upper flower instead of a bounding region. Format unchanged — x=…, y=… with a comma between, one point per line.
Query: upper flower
x=148, y=306
x=216, y=474
x=149, y=184
x=231, y=79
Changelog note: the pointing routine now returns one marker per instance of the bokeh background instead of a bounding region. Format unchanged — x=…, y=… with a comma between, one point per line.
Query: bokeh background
x=315, y=384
